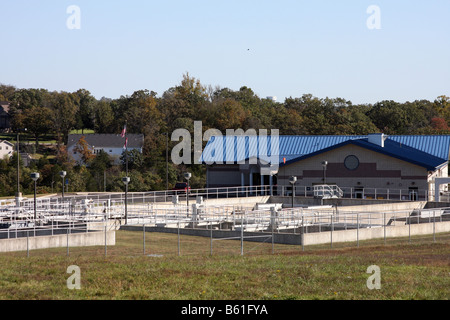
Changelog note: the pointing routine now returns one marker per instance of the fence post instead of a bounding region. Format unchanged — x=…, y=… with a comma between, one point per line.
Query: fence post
x=211, y=240
x=331, y=233
x=143, y=238
x=434, y=225
x=105, y=242
x=303, y=233
x=357, y=229
x=179, y=252
x=409, y=228
x=67, y=241
x=242, y=234
x=272, y=212
x=28, y=249
x=384, y=226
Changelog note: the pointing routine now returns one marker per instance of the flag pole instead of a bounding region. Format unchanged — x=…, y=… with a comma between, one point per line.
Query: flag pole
x=126, y=146
x=126, y=166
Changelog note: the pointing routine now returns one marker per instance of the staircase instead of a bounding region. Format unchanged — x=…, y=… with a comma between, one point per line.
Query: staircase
x=327, y=192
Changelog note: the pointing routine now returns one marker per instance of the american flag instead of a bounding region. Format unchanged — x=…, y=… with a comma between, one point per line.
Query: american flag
x=124, y=131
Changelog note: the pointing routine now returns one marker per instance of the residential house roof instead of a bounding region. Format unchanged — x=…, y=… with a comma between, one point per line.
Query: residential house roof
x=4, y=106
x=7, y=142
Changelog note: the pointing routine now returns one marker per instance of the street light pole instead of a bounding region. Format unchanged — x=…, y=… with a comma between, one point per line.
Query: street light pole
x=18, y=194
x=167, y=160
x=187, y=176
x=62, y=174
x=18, y=169
x=126, y=181
x=35, y=177
x=292, y=181
x=324, y=165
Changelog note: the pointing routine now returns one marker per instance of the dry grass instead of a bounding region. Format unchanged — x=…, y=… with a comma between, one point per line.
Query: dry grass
x=416, y=270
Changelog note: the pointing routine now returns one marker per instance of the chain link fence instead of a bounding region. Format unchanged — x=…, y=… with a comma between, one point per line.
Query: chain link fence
x=173, y=228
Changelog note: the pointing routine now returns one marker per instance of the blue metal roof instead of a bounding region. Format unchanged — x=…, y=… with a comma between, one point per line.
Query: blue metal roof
x=293, y=147
x=433, y=144
x=391, y=148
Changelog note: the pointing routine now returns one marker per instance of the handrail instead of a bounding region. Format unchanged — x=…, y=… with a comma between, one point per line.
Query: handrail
x=101, y=199
x=328, y=191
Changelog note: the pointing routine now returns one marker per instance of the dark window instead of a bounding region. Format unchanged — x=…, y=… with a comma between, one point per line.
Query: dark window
x=351, y=163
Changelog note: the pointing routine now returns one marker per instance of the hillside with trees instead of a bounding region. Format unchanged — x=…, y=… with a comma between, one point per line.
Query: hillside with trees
x=53, y=115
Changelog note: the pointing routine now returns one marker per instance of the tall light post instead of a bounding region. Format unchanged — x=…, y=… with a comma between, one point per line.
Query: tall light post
x=18, y=193
x=126, y=181
x=35, y=177
x=292, y=181
x=324, y=165
x=167, y=160
x=187, y=176
x=63, y=174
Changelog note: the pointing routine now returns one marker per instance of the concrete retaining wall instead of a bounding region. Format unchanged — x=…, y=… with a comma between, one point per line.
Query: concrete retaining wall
x=283, y=238
x=375, y=233
x=323, y=237
x=57, y=241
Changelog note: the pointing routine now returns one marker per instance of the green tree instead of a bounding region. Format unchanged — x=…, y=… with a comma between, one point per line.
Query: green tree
x=134, y=157
x=396, y=118
x=38, y=122
x=64, y=107
x=104, y=117
x=85, y=116
x=101, y=162
x=7, y=92
x=226, y=114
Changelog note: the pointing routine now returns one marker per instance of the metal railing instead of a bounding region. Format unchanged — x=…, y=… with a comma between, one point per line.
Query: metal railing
x=264, y=190
x=112, y=204
x=327, y=191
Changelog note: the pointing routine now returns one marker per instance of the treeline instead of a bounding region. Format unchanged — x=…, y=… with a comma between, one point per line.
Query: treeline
x=45, y=113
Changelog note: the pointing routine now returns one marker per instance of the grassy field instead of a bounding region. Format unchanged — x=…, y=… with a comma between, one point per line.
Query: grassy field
x=44, y=139
x=416, y=270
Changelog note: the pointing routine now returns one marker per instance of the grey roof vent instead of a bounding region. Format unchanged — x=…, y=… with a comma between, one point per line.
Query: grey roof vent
x=377, y=138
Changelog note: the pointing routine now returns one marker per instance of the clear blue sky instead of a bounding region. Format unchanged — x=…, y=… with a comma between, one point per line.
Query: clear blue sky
x=278, y=48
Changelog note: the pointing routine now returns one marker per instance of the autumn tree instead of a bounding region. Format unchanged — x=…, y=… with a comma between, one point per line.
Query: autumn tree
x=85, y=150
x=440, y=126
x=226, y=114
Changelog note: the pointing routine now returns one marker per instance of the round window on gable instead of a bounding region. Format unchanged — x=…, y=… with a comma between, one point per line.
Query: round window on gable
x=351, y=163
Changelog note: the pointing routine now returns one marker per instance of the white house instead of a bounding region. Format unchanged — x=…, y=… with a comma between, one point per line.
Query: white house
x=6, y=149
x=112, y=144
